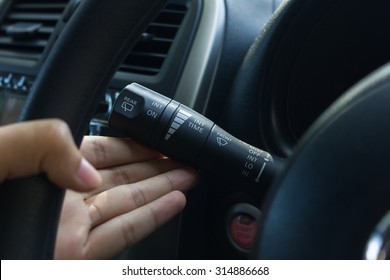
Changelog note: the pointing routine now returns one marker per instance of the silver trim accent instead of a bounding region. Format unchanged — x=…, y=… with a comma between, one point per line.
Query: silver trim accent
x=378, y=246
x=195, y=83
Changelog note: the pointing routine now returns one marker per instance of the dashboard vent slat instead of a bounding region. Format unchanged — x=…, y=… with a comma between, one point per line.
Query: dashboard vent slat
x=149, y=53
x=30, y=46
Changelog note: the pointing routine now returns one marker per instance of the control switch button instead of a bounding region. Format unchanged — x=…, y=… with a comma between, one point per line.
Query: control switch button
x=130, y=105
x=243, y=231
x=136, y=112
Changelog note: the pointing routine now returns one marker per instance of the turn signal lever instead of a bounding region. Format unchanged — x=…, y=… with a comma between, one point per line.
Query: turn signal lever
x=185, y=135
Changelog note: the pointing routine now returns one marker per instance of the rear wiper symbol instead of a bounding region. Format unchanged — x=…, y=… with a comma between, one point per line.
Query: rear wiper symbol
x=127, y=107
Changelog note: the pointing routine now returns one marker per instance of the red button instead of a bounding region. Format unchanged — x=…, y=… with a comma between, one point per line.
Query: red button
x=243, y=230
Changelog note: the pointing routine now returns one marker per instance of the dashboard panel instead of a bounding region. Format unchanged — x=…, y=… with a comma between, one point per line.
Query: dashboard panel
x=226, y=60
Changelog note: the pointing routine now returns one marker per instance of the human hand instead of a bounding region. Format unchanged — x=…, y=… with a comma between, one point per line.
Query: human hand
x=45, y=146
x=140, y=191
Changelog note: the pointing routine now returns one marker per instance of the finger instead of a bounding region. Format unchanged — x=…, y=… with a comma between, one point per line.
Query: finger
x=105, y=152
x=30, y=148
x=109, y=239
x=73, y=229
x=131, y=173
x=126, y=198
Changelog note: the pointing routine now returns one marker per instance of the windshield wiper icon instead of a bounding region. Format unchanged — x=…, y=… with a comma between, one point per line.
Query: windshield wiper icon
x=222, y=142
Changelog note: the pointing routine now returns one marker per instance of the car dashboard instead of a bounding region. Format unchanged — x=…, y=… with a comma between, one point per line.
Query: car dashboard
x=204, y=54
x=177, y=55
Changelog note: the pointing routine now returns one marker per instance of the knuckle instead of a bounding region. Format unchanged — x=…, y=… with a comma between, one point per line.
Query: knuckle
x=119, y=176
x=128, y=232
x=99, y=152
x=137, y=196
x=57, y=129
x=56, y=140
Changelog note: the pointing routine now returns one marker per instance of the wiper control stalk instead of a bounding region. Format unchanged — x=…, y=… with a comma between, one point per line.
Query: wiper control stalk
x=185, y=135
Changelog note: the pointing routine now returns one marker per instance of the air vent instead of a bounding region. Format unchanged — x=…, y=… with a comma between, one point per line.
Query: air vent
x=27, y=27
x=149, y=53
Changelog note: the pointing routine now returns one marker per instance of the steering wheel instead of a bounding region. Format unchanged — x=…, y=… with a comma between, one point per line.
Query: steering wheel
x=335, y=189
x=324, y=205
x=71, y=84
x=335, y=186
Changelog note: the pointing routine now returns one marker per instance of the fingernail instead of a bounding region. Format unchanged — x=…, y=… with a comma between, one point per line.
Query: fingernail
x=88, y=175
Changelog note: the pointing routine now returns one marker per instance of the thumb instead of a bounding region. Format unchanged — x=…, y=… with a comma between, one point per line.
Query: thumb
x=30, y=148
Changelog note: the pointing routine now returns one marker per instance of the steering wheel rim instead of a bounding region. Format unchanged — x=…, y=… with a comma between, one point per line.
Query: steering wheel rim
x=69, y=86
x=306, y=41
x=335, y=188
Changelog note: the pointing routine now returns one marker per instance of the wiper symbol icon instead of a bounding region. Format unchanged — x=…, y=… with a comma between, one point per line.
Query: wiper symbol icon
x=127, y=107
x=222, y=142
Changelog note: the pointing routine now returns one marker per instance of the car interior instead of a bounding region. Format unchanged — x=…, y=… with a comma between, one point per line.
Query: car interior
x=307, y=81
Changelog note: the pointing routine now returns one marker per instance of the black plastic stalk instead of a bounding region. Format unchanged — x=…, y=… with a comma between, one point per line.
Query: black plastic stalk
x=187, y=136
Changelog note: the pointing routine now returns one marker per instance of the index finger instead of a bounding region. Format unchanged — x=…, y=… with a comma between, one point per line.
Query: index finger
x=106, y=152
